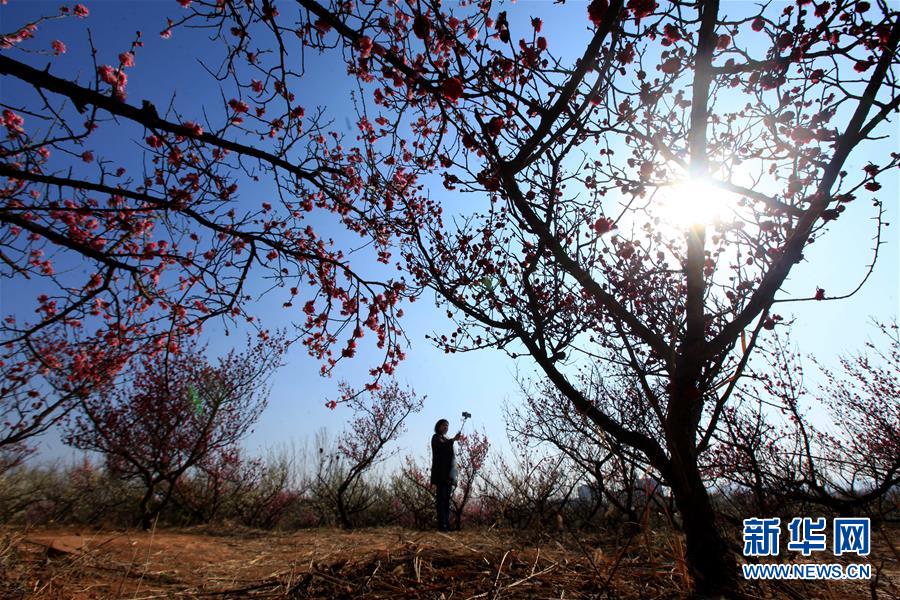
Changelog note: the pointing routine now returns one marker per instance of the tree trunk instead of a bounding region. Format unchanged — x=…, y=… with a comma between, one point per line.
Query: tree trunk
x=710, y=560
x=145, y=519
x=343, y=515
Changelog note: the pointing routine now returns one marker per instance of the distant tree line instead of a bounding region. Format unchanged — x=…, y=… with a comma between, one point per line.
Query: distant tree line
x=167, y=441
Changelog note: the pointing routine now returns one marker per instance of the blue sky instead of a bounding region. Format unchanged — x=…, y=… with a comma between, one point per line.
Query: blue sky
x=478, y=382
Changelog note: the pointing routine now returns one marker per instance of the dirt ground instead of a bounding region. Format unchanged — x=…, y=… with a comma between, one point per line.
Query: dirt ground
x=370, y=563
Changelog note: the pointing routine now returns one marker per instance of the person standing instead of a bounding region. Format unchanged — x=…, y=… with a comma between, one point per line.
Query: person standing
x=442, y=471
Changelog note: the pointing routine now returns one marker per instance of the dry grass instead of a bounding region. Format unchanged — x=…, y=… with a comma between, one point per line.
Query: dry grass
x=371, y=563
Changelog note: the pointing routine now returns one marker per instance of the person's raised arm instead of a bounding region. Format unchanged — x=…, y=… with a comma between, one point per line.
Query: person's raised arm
x=439, y=440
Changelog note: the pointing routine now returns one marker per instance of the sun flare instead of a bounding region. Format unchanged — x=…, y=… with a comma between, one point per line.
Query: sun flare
x=692, y=202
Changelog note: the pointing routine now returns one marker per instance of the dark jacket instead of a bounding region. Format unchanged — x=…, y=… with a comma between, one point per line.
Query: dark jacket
x=441, y=459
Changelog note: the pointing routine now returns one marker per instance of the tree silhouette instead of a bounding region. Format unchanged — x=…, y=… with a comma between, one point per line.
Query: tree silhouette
x=639, y=206
x=846, y=460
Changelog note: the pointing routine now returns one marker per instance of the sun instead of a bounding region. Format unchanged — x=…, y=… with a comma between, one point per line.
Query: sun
x=692, y=202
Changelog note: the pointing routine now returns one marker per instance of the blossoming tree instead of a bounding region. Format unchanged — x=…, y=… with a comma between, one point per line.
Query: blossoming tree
x=846, y=459
x=130, y=249
x=640, y=204
x=174, y=412
x=379, y=418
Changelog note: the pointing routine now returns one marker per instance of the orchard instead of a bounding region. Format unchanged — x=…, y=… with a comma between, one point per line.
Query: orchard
x=625, y=210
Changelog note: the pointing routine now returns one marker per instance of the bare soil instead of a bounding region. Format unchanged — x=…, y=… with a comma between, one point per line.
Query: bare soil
x=209, y=562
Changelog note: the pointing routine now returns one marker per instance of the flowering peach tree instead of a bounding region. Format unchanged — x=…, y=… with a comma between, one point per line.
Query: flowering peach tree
x=641, y=203
x=173, y=413
x=833, y=447
x=638, y=201
x=169, y=230
x=379, y=419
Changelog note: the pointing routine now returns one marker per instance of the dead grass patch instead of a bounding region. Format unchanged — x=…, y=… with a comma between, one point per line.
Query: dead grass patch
x=370, y=563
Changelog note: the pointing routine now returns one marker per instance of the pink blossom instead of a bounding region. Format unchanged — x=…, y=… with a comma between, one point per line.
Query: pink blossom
x=365, y=46
x=238, y=106
x=12, y=121
x=194, y=128
x=107, y=74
